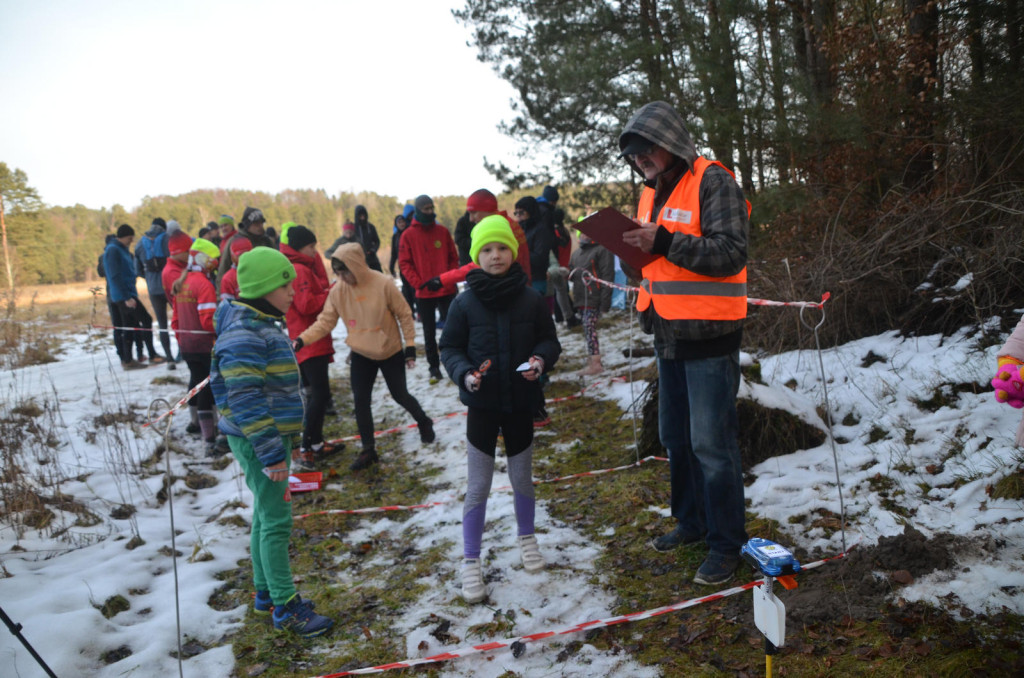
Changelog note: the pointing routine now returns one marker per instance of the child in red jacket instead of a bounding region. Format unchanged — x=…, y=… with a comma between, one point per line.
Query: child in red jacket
x=194, y=306
x=310, y=294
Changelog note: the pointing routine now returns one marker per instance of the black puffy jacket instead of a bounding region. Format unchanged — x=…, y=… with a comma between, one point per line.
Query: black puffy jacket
x=507, y=333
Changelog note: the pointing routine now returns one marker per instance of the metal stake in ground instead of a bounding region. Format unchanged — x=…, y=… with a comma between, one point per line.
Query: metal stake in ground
x=15, y=630
x=774, y=562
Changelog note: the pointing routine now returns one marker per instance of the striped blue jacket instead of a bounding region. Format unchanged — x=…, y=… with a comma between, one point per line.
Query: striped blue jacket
x=255, y=380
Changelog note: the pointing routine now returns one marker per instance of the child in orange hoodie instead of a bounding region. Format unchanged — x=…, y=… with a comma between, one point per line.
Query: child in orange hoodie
x=379, y=322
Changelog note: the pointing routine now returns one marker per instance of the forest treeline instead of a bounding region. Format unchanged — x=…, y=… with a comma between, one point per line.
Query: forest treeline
x=881, y=142
x=52, y=245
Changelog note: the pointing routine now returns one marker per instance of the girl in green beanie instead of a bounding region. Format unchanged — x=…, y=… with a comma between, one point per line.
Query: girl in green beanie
x=498, y=341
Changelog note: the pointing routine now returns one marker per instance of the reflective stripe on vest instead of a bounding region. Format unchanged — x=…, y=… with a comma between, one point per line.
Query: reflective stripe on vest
x=678, y=293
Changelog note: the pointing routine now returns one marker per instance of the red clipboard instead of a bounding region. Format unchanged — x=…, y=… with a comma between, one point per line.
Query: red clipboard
x=606, y=228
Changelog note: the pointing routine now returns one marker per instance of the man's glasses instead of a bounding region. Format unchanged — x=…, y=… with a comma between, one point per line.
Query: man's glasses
x=646, y=151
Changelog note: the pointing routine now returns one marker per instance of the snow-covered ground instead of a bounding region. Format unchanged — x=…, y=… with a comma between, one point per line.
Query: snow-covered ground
x=937, y=465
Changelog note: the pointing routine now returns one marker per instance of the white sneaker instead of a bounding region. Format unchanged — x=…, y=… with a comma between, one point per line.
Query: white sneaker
x=473, y=589
x=533, y=561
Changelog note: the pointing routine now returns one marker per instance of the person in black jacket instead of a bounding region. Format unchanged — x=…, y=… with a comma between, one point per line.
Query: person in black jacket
x=498, y=341
x=366, y=235
x=408, y=291
x=539, y=239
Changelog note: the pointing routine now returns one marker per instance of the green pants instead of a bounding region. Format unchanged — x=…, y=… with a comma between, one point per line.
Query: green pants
x=271, y=524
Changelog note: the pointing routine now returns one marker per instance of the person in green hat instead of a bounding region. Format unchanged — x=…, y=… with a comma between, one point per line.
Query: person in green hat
x=498, y=341
x=255, y=382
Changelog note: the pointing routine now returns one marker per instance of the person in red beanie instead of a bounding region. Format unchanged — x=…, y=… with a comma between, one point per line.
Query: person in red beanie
x=178, y=245
x=229, y=281
x=480, y=205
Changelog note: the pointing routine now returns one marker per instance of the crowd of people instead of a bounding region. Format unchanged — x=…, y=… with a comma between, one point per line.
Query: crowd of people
x=253, y=308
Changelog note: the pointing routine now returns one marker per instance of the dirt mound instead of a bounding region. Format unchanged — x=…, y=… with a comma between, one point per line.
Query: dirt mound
x=860, y=585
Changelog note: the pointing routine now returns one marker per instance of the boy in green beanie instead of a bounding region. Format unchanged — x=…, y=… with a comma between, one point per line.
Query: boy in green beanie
x=255, y=382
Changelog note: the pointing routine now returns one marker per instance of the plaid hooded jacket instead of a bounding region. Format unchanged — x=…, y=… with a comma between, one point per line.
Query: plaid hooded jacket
x=720, y=251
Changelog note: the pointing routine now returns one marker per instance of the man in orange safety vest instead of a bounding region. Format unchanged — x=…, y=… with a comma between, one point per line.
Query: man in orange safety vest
x=693, y=299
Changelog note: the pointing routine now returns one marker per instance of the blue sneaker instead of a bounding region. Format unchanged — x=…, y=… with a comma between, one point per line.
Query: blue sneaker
x=716, y=569
x=298, y=617
x=262, y=604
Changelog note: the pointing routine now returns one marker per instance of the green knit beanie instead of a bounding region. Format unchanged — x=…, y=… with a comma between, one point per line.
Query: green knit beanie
x=494, y=228
x=262, y=270
x=206, y=247
x=225, y=219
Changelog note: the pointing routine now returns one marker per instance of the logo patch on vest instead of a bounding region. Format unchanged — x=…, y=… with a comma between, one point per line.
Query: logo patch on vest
x=677, y=215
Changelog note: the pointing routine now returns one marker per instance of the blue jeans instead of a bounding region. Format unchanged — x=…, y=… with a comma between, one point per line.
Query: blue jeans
x=697, y=424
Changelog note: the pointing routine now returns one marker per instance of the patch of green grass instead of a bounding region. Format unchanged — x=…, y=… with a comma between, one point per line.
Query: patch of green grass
x=1010, y=486
x=877, y=433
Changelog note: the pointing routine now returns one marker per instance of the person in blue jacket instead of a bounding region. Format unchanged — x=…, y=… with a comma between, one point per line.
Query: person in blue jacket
x=150, y=257
x=498, y=341
x=119, y=266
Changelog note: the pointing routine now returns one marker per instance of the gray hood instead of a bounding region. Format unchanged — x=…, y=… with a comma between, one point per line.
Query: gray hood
x=659, y=122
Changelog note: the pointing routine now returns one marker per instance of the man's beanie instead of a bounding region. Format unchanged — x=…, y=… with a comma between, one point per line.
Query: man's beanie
x=494, y=228
x=212, y=225
x=206, y=247
x=481, y=200
x=550, y=194
x=173, y=227
x=125, y=230
x=421, y=202
x=300, y=236
x=528, y=203
x=251, y=216
x=225, y=219
x=159, y=222
x=261, y=271
x=240, y=246
x=348, y=227
x=179, y=242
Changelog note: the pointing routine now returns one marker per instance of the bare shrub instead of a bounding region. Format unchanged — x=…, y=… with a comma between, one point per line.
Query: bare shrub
x=921, y=264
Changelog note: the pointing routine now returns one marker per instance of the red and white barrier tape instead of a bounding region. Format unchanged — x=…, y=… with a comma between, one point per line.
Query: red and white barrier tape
x=405, y=427
x=576, y=628
x=433, y=504
x=177, y=406
x=589, y=277
x=148, y=329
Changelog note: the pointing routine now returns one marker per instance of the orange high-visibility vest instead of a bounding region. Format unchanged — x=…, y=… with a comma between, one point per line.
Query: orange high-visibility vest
x=677, y=293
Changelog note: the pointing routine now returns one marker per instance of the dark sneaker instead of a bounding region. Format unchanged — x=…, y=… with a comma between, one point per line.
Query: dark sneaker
x=541, y=418
x=303, y=461
x=366, y=459
x=435, y=374
x=297, y=616
x=716, y=569
x=427, y=435
x=573, y=322
x=133, y=365
x=171, y=365
x=262, y=604
x=676, y=537
x=193, y=429
x=328, y=449
x=220, y=447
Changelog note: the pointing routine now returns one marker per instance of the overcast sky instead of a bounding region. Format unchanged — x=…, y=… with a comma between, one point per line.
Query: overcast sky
x=108, y=101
